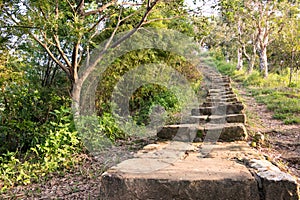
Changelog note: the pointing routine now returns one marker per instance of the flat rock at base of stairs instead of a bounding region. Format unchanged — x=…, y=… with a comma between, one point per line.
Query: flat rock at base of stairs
x=188, y=178
x=230, y=171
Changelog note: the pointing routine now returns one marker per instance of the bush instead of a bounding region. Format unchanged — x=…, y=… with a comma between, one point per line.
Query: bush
x=253, y=79
x=56, y=151
x=26, y=111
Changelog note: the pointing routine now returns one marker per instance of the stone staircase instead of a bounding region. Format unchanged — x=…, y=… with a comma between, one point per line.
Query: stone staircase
x=221, y=114
x=205, y=157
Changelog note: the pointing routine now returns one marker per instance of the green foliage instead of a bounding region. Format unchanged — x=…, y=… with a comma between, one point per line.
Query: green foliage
x=109, y=127
x=146, y=97
x=285, y=104
x=56, y=151
x=25, y=110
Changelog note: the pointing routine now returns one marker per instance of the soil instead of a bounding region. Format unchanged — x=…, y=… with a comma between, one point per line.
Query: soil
x=282, y=141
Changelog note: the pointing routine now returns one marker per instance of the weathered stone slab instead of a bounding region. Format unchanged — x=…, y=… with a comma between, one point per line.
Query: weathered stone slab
x=211, y=132
x=220, y=85
x=198, y=119
x=233, y=118
x=181, y=132
x=218, y=90
x=220, y=93
x=217, y=77
x=188, y=178
x=275, y=183
x=221, y=99
x=218, y=102
x=227, y=132
x=233, y=108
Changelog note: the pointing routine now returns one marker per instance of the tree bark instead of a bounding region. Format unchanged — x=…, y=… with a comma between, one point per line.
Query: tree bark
x=263, y=62
x=239, y=65
x=252, y=59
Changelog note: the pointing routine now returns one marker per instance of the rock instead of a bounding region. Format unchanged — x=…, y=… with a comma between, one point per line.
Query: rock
x=234, y=108
x=181, y=132
x=227, y=132
x=274, y=183
x=211, y=132
x=232, y=118
x=188, y=178
x=259, y=138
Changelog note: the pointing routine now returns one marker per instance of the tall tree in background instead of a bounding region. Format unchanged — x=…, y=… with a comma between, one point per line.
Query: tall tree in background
x=255, y=23
x=269, y=20
x=288, y=43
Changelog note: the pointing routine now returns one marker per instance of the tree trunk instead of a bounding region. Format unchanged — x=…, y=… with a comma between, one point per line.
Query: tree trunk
x=239, y=65
x=251, y=62
x=263, y=62
x=75, y=94
x=291, y=75
x=292, y=67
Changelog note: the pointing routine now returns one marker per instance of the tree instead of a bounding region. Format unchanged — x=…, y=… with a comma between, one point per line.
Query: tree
x=288, y=43
x=66, y=29
x=256, y=23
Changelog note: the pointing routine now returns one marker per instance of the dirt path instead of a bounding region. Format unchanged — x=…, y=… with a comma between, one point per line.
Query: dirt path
x=282, y=142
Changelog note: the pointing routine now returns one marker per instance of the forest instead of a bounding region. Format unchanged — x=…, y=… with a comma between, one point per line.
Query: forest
x=47, y=53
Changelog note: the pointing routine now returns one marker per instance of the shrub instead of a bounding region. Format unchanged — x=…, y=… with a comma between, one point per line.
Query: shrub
x=56, y=151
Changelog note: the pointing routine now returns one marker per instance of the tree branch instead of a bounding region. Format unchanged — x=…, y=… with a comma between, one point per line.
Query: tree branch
x=96, y=24
x=119, y=41
x=101, y=9
x=63, y=55
x=60, y=64
x=75, y=59
x=160, y=19
x=144, y=18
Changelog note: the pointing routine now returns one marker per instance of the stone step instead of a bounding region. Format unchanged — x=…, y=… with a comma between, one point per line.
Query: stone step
x=219, y=102
x=220, y=90
x=179, y=132
x=210, y=132
x=221, y=99
x=233, y=108
x=215, y=85
x=232, y=118
x=220, y=93
x=225, y=132
x=223, y=96
x=177, y=171
x=189, y=178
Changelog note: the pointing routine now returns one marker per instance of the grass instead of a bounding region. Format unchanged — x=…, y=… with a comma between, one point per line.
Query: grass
x=275, y=92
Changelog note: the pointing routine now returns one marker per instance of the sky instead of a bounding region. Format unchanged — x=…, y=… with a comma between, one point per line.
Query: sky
x=206, y=7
